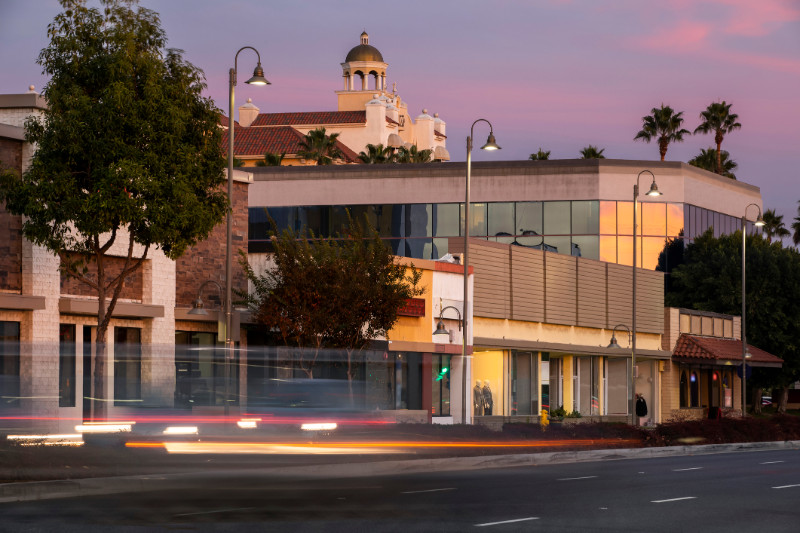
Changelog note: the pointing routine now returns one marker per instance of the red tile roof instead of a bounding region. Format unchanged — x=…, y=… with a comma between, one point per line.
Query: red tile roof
x=716, y=349
x=439, y=134
x=284, y=139
x=312, y=118
x=223, y=121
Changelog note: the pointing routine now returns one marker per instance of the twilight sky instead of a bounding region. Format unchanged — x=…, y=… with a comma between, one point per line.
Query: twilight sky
x=557, y=74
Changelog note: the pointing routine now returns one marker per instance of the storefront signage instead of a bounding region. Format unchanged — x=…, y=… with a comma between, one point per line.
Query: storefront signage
x=413, y=307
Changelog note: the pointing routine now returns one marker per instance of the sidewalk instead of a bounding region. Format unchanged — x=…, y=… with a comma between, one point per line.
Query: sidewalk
x=41, y=490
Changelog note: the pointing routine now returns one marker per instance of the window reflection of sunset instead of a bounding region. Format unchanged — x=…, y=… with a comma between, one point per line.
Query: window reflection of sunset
x=654, y=218
x=651, y=249
x=608, y=247
x=625, y=250
x=674, y=219
x=625, y=218
x=608, y=220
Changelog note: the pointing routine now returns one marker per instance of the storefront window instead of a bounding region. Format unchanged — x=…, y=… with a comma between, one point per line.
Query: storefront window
x=524, y=383
x=616, y=397
x=66, y=365
x=9, y=364
x=488, y=392
x=440, y=385
x=200, y=371
x=127, y=366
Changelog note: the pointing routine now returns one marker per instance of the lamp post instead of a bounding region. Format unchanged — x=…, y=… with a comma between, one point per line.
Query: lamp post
x=652, y=192
x=198, y=309
x=759, y=222
x=257, y=79
x=490, y=145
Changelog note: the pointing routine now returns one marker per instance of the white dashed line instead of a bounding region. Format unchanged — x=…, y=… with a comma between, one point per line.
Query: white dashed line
x=771, y=462
x=217, y=511
x=507, y=521
x=429, y=490
x=687, y=469
x=574, y=478
x=786, y=486
x=674, y=499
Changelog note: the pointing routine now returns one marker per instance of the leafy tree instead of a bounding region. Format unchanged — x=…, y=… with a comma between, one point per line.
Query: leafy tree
x=796, y=227
x=541, y=155
x=128, y=153
x=774, y=226
x=592, y=152
x=718, y=118
x=670, y=257
x=271, y=160
x=707, y=160
x=377, y=154
x=320, y=147
x=413, y=155
x=342, y=292
x=237, y=162
x=710, y=280
x=663, y=124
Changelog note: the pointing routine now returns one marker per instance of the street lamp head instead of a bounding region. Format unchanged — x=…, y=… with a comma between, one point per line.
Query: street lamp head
x=258, y=76
x=653, y=189
x=197, y=309
x=760, y=221
x=440, y=328
x=490, y=143
x=613, y=343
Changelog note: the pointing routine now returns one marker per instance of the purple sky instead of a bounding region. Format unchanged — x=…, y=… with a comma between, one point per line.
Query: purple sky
x=553, y=74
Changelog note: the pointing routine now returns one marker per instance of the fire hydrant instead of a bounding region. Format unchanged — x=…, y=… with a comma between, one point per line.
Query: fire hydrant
x=544, y=420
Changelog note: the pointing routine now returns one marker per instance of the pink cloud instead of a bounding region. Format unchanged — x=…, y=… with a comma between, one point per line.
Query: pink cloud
x=687, y=36
x=752, y=19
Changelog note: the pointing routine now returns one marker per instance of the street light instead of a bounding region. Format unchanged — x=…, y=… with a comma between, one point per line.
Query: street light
x=652, y=192
x=759, y=222
x=257, y=79
x=197, y=308
x=441, y=329
x=490, y=145
x=613, y=343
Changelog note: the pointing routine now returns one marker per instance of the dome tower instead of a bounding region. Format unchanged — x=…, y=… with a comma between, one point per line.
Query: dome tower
x=366, y=63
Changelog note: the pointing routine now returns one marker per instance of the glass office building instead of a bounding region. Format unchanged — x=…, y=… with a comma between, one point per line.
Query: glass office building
x=595, y=229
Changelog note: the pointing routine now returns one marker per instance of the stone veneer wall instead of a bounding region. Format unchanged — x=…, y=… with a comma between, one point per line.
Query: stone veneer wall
x=131, y=285
x=206, y=260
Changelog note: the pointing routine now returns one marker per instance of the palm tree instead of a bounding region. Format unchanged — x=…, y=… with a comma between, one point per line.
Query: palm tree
x=413, y=155
x=718, y=118
x=773, y=225
x=796, y=226
x=271, y=160
x=541, y=155
x=377, y=154
x=593, y=152
x=707, y=160
x=665, y=125
x=320, y=147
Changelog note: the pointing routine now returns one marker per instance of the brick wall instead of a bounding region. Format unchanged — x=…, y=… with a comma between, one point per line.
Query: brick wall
x=206, y=260
x=11, y=232
x=131, y=286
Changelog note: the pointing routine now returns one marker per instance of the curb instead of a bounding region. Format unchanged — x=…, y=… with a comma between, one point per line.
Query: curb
x=44, y=490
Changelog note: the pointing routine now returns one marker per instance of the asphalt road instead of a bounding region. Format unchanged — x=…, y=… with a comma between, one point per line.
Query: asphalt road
x=751, y=491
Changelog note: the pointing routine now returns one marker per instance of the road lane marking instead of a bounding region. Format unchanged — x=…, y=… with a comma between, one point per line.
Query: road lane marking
x=771, y=462
x=674, y=499
x=687, y=469
x=507, y=521
x=218, y=511
x=429, y=490
x=786, y=486
x=574, y=478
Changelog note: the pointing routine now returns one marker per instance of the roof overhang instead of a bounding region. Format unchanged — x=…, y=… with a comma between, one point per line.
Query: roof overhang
x=722, y=363
x=21, y=302
x=78, y=306
x=514, y=344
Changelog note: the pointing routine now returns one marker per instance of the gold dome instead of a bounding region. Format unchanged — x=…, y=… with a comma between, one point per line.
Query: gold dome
x=364, y=51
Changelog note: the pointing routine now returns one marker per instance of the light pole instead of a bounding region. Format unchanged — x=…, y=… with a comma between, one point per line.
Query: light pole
x=759, y=222
x=198, y=309
x=257, y=79
x=652, y=192
x=490, y=145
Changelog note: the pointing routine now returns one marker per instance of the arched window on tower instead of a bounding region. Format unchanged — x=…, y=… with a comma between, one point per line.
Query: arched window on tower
x=694, y=390
x=684, y=391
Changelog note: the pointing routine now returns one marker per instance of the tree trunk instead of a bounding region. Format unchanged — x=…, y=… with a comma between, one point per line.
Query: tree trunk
x=783, y=399
x=757, y=400
x=100, y=392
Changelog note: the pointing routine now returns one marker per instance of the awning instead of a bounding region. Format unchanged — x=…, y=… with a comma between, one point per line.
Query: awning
x=716, y=351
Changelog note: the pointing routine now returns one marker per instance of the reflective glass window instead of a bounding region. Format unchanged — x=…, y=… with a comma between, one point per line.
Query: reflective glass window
x=557, y=218
x=608, y=218
x=315, y=219
x=419, y=220
x=127, y=366
x=625, y=250
x=419, y=247
x=364, y=214
x=9, y=364
x=439, y=248
x=624, y=218
x=477, y=214
x=560, y=244
x=66, y=365
x=608, y=248
x=654, y=218
x=674, y=219
x=446, y=220
x=651, y=249
x=340, y=224
x=585, y=217
x=501, y=218
x=257, y=223
x=398, y=246
x=529, y=218
x=390, y=220
x=704, y=220
x=586, y=246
